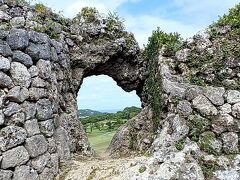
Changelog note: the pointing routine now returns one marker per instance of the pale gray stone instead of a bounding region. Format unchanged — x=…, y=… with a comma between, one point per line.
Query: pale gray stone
x=5, y=50
x=52, y=147
x=32, y=127
x=25, y=173
x=33, y=70
x=20, y=74
x=5, y=174
x=225, y=109
x=193, y=92
x=231, y=174
x=36, y=145
x=181, y=55
x=173, y=88
x=17, y=22
x=18, y=39
x=39, y=83
x=29, y=109
x=12, y=136
x=215, y=95
x=54, y=163
x=4, y=64
x=236, y=110
x=47, y=174
x=47, y=127
x=14, y=157
x=39, y=38
x=184, y=108
x=63, y=146
x=44, y=109
x=18, y=94
x=11, y=109
x=40, y=162
x=16, y=119
x=44, y=68
x=223, y=123
x=1, y=117
x=37, y=93
x=204, y=106
x=233, y=96
x=2, y=98
x=5, y=81
x=4, y=16
x=230, y=143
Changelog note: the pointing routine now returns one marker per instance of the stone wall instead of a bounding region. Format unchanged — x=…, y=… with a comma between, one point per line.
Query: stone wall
x=41, y=71
x=198, y=136
x=43, y=60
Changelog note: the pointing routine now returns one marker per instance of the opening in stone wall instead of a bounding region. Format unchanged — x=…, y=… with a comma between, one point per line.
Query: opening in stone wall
x=104, y=107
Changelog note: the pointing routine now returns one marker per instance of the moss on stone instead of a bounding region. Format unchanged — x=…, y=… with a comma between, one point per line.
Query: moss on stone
x=208, y=168
x=142, y=169
x=171, y=43
x=197, y=125
x=180, y=144
x=206, y=143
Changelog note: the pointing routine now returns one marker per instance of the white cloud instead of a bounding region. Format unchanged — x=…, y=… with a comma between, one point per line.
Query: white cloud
x=102, y=92
x=204, y=10
x=104, y=6
x=142, y=27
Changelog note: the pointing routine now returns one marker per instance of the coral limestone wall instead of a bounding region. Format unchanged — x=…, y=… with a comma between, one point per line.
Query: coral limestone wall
x=43, y=60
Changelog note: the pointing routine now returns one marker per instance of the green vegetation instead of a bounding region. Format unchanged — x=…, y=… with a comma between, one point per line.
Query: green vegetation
x=224, y=34
x=170, y=43
x=102, y=127
x=100, y=140
x=114, y=22
x=197, y=125
x=180, y=144
x=41, y=9
x=110, y=120
x=89, y=14
x=208, y=167
x=206, y=142
x=231, y=19
x=142, y=169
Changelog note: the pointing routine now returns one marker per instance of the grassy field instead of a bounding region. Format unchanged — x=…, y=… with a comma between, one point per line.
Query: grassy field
x=100, y=140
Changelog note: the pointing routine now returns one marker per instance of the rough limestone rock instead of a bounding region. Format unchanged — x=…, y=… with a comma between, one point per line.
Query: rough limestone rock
x=11, y=136
x=204, y=106
x=36, y=145
x=4, y=64
x=25, y=173
x=14, y=157
x=20, y=74
x=6, y=174
x=18, y=39
x=44, y=58
x=233, y=96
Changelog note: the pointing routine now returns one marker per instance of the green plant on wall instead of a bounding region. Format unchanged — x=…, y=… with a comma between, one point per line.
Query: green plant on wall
x=114, y=21
x=88, y=14
x=159, y=39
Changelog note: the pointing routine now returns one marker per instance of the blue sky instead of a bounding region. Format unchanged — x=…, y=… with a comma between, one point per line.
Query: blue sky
x=141, y=17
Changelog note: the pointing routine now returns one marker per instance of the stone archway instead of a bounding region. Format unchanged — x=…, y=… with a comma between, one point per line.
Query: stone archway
x=40, y=75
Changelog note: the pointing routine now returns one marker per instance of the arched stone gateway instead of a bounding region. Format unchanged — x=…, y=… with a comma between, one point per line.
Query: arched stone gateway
x=43, y=60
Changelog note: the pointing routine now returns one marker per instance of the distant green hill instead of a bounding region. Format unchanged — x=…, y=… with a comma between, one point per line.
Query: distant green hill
x=91, y=116
x=88, y=112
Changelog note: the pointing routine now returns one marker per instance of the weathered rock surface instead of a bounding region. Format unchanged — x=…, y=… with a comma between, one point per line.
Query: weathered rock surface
x=41, y=72
x=14, y=157
x=36, y=145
